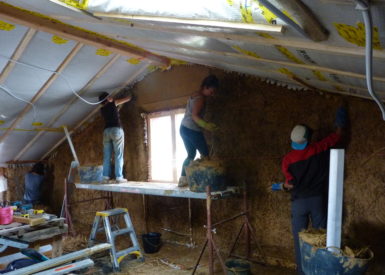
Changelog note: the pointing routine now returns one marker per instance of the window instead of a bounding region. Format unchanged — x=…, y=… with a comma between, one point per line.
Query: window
x=166, y=148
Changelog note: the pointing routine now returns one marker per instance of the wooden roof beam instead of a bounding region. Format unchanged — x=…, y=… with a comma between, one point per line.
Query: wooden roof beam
x=46, y=24
x=16, y=54
x=253, y=39
x=305, y=18
x=258, y=59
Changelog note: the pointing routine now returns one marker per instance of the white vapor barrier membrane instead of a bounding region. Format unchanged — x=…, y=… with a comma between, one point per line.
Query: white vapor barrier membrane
x=199, y=9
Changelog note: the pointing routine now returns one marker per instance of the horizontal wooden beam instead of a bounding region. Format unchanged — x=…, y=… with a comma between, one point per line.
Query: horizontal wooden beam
x=196, y=22
x=247, y=57
x=208, y=62
x=46, y=24
x=252, y=39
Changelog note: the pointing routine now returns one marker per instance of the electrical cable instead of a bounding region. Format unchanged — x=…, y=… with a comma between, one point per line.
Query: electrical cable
x=54, y=72
x=365, y=8
x=8, y=91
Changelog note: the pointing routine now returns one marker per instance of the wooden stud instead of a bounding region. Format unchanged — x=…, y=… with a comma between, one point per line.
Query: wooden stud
x=16, y=54
x=43, y=89
x=46, y=24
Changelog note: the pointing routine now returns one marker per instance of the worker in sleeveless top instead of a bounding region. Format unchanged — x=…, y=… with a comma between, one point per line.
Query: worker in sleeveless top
x=306, y=169
x=113, y=136
x=193, y=124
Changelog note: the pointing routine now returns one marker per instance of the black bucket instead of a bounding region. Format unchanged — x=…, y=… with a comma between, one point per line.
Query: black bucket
x=151, y=242
x=237, y=267
x=321, y=261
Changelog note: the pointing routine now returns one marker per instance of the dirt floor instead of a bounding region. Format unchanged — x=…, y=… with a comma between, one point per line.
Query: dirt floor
x=173, y=259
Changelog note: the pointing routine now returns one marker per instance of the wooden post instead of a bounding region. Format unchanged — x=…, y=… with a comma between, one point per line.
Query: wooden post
x=57, y=246
x=246, y=219
x=209, y=232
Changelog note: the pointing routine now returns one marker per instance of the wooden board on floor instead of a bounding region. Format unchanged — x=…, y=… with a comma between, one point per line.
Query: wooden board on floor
x=30, y=221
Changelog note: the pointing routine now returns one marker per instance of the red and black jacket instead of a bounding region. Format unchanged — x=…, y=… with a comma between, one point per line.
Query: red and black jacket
x=308, y=169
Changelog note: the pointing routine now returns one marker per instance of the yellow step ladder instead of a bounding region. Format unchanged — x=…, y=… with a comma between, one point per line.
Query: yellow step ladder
x=111, y=234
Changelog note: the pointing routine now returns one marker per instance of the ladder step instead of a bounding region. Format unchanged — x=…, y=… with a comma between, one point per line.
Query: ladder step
x=121, y=232
x=112, y=212
x=127, y=251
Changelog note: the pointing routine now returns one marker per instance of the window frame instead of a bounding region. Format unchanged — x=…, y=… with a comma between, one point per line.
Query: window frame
x=172, y=113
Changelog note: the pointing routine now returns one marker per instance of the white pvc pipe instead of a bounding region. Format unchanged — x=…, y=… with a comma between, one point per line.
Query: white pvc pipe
x=336, y=184
x=364, y=6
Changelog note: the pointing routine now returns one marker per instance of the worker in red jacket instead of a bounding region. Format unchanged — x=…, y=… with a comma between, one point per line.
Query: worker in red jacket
x=306, y=169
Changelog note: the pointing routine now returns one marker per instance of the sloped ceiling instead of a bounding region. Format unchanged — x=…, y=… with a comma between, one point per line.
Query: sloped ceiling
x=50, y=50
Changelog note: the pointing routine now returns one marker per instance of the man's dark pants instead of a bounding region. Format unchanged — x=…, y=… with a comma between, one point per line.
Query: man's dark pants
x=302, y=211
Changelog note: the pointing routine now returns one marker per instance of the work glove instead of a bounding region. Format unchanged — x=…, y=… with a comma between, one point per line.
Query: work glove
x=278, y=186
x=341, y=117
x=209, y=126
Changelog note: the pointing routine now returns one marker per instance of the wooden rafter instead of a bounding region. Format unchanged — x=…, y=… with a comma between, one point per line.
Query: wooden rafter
x=68, y=105
x=247, y=57
x=43, y=89
x=305, y=18
x=197, y=22
x=253, y=39
x=90, y=115
x=16, y=54
x=46, y=24
x=208, y=62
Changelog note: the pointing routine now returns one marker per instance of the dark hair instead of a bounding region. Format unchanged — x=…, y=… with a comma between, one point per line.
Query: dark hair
x=38, y=168
x=103, y=96
x=210, y=81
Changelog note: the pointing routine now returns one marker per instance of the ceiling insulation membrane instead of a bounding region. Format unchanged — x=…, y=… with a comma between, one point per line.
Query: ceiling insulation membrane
x=50, y=68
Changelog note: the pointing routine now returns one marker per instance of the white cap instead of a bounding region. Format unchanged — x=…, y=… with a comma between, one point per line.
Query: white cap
x=299, y=134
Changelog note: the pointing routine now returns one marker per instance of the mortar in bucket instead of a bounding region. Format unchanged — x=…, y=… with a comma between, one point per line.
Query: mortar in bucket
x=237, y=267
x=91, y=174
x=151, y=242
x=202, y=173
x=321, y=261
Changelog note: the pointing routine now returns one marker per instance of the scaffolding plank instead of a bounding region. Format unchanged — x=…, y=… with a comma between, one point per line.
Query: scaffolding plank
x=166, y=189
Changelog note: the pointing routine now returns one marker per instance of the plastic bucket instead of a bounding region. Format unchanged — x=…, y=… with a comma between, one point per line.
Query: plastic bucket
x=206, y=173
x=91, y=174
x=321, y=261
x=6, y=215
x=237, y=267
x=151, y=242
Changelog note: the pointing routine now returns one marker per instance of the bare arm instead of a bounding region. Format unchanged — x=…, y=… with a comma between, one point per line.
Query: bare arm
x=123, y=100
x=197, y=108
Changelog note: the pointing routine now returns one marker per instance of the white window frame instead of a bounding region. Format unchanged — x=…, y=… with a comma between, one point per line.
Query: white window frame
x=174, y=132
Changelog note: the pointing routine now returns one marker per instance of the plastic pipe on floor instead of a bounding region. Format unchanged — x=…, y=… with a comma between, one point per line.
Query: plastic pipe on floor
x=336, y=184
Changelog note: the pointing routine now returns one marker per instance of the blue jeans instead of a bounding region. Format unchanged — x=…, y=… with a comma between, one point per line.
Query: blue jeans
x=193, y=141
x=113, y=139
x=301, y=210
